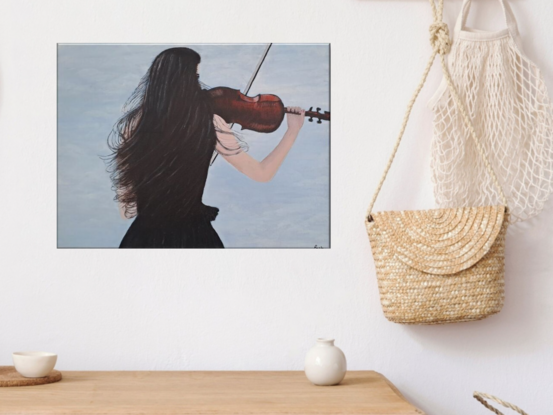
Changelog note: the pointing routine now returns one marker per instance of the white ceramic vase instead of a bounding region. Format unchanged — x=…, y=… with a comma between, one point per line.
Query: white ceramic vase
x=325, y=364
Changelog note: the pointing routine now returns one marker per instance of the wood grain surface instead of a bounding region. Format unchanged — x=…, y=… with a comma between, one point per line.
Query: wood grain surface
x=213, y=393
x=10, y=377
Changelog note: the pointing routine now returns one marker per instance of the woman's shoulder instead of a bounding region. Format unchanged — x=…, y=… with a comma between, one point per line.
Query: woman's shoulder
x=221, y=124
x=228, y=143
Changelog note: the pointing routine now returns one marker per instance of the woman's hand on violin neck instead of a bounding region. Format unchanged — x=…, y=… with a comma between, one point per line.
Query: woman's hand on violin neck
x=295, y=118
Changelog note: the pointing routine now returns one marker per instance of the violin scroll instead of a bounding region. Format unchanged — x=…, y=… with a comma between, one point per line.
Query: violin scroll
x=317, y=114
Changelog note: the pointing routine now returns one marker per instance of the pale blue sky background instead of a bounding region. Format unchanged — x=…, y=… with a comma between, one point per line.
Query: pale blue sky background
x=291, y=211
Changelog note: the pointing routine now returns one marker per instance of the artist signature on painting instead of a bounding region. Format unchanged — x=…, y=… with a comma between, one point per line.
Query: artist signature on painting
x=319, y=247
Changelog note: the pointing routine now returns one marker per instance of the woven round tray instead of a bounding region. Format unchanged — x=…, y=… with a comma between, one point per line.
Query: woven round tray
x=10, y=377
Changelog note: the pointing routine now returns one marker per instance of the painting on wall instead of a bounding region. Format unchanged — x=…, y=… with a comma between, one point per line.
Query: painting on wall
x=193, y=146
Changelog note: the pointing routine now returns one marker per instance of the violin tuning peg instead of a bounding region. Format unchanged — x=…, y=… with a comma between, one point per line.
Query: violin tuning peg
x=319, y=122
x=318, y=109
x=310, y=108
x=310, y=119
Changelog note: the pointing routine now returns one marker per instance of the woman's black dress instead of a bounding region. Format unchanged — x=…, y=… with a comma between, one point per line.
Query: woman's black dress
x=192, y=231
x=170, y=213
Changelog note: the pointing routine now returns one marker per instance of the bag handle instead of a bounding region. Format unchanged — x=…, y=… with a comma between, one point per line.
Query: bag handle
x=481, y=397
x=510, y=19
x=441, y=45
x=507, y=11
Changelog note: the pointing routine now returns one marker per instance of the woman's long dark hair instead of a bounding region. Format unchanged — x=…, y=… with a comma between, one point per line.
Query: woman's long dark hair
x=161, y=147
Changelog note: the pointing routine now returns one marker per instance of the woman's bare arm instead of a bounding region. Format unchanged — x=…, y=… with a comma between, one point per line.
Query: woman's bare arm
x=265, y=170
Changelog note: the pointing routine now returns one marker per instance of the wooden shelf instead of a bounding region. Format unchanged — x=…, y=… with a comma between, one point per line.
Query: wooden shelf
x=213, y=393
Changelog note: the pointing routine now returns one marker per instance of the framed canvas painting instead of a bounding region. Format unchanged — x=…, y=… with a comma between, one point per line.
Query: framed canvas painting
x=193, y=146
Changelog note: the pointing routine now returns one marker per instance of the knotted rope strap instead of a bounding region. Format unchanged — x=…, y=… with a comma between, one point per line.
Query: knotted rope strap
x=441, y=45
x=481, y=397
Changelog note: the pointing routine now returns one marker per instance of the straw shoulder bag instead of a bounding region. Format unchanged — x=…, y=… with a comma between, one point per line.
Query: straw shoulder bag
x=442, y=265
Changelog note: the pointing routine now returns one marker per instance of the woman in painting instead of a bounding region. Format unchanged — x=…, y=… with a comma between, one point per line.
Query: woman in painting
x=161, y=152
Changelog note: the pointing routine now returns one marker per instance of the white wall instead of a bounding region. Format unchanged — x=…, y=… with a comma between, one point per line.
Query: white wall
x=262, y=309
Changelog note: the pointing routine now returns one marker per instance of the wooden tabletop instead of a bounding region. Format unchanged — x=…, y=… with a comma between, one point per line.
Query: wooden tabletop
x=213, y=393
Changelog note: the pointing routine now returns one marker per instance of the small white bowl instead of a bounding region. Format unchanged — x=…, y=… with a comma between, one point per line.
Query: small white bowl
x=34, y=364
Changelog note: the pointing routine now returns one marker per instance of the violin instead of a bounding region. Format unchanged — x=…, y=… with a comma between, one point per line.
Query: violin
x=263, y=113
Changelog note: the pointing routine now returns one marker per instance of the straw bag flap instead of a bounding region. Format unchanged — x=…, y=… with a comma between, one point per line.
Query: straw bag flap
x=438, y=241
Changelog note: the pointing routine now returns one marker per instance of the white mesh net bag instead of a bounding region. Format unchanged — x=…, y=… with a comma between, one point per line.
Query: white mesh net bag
x=508, y=103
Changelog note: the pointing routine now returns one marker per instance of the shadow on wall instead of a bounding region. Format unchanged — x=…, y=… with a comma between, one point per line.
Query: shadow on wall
x=528, y=255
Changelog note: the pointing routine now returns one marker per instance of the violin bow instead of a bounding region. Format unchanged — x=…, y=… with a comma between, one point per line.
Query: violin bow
x=250, y=83
x=257, y=68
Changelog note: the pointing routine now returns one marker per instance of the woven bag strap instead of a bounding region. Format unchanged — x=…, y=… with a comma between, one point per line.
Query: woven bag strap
x=481, y=397
x=441, y=44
